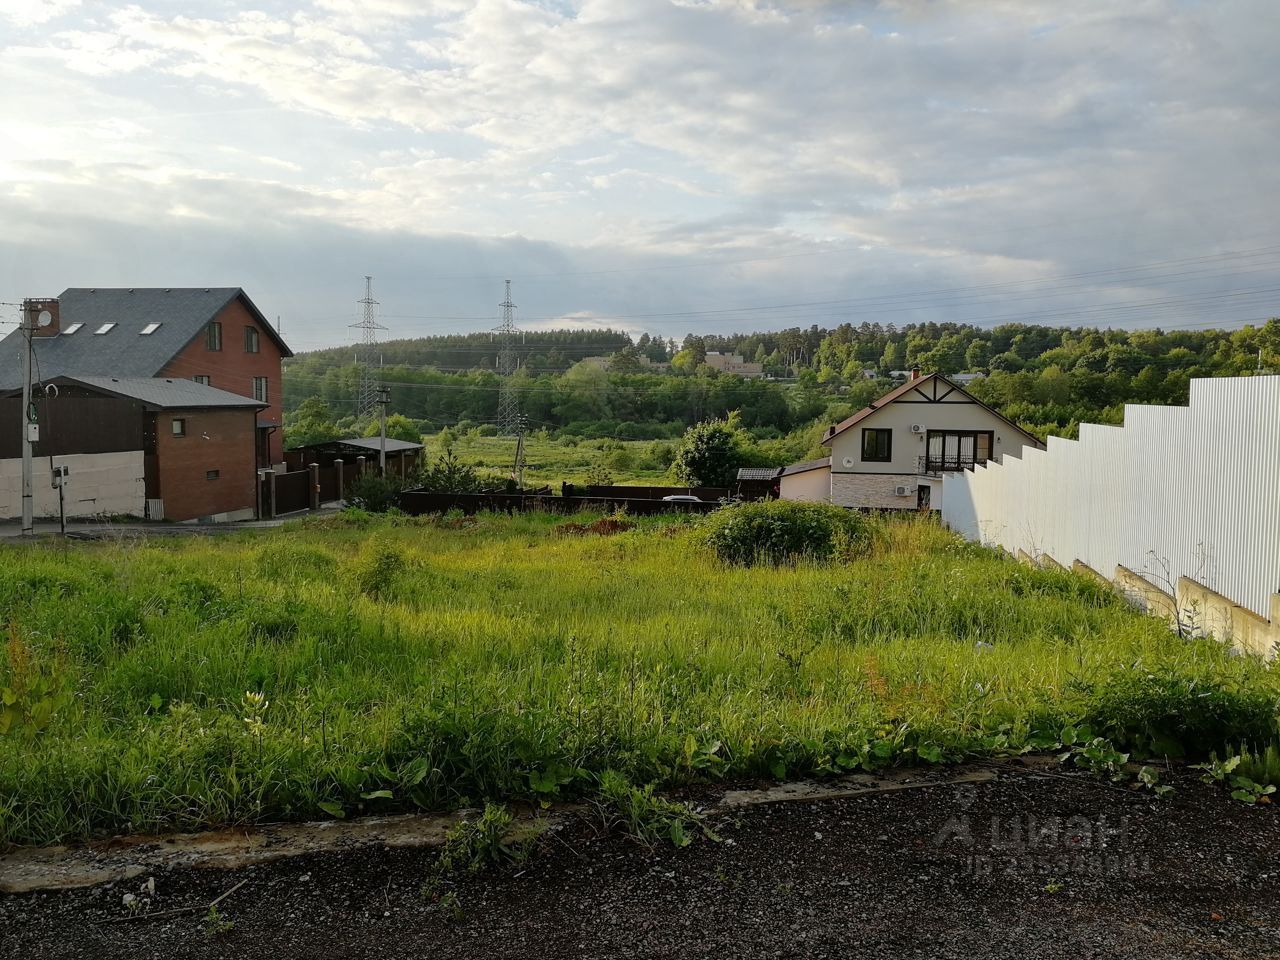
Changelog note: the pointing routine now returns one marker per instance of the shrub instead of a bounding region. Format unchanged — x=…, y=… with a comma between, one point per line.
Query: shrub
x=373, y=493
x=783, y=531
x=1176, y=714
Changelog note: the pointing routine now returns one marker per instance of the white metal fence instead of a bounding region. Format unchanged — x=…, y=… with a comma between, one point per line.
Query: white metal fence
x=1177, y=491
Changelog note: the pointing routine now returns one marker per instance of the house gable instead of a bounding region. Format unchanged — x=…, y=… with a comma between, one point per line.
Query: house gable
x=909, y=413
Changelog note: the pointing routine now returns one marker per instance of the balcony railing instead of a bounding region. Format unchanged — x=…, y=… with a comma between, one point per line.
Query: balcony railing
x=936, y=466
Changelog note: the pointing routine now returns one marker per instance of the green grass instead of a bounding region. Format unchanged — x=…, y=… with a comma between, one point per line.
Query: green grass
x=549, y=461
x=434, y=664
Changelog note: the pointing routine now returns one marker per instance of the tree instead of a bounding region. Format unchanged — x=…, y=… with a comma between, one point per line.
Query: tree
x=708, y=455
x=310, y=424
x=447, y=475
x=399, y=427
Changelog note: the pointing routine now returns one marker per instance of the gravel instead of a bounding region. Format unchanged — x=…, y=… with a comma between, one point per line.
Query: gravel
x=1019, y=866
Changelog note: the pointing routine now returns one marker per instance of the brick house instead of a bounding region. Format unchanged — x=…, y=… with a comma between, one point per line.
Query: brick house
x=202, y=366
x=212, y=335
x=891, y=454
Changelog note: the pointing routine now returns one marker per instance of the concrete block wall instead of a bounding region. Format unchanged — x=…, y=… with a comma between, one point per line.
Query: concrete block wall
x=100, y=484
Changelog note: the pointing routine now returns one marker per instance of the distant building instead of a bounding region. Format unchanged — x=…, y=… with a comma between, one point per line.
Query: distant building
x=602, y=363
x=733, y=363
x=893, y=452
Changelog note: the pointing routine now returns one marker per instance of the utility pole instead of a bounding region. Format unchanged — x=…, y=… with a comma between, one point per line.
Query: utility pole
x=384, y=398
x=367, y=393
x=508, y=401
x=29, y=425
x=517, y=472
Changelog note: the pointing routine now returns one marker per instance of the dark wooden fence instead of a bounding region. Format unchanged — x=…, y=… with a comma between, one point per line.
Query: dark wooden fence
x=419, y=502
x=293, y=491
x=712, y=494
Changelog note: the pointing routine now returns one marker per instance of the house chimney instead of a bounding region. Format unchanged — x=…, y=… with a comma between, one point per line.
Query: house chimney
x=915, y=372
x=38, y=308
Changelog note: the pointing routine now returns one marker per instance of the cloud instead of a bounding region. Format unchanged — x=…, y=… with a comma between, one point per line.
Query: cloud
x=825, y=146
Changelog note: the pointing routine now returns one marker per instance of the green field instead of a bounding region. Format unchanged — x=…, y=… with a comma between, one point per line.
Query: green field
x=550, y=461
x=344, y=666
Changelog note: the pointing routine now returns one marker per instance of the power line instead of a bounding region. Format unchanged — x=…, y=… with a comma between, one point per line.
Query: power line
x=508, y=399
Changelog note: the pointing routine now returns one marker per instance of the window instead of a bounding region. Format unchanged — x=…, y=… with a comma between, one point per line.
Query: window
x=213, y=336
x=260, y=390
x=72, y=329
x=201, y=378
x=179, y=427
x=149, y=329
x=211, y=474
x=877, y=446
x=250, y=339
x=105, y=328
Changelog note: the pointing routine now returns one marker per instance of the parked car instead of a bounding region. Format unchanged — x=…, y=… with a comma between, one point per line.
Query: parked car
x=682, y=498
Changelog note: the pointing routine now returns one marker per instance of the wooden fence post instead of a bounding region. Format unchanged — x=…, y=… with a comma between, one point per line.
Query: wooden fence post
x=270, y=476
x=313, y=470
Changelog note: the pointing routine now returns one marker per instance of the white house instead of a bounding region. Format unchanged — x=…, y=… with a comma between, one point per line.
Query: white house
x=892, y=454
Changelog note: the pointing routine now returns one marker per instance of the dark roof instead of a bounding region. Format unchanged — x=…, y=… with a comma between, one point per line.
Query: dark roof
x=164, y=393
x=805, y=467
x=758, y=473
x=181, y=313
x=905, y=388
x=373, y=443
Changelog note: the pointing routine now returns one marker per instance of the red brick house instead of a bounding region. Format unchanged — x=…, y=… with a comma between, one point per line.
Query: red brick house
x=203, y=366
x=212, y=335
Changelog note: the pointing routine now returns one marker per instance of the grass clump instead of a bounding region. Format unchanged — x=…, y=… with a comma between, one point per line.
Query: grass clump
x=1180, y=712
x=375, y=567
x=784, y=531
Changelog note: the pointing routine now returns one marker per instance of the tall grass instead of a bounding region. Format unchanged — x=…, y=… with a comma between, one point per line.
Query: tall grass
x=436, y=664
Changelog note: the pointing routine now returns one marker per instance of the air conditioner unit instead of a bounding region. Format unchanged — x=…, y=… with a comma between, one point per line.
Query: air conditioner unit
x=903, y=490
x=917, y=428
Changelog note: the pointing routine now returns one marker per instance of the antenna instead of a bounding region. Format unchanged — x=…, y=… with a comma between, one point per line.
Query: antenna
x=367, y=393
x=508, y=400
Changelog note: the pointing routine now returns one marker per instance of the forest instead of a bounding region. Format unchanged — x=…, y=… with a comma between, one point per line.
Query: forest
x=1050, y=379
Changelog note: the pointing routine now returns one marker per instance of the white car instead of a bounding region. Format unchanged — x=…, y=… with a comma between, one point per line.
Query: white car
x=682, y=498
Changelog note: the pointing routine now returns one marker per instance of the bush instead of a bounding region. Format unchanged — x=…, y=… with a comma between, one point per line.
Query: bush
x=1178, y=714
x=783, y=531
x=373, y=493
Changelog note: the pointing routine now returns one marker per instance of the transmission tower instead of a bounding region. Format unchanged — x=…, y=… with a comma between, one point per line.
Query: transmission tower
x=509, y=422
x=367, y=395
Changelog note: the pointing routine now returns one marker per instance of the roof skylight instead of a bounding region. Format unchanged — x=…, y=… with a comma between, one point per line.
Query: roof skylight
x=149, y=329
x=105, y=328
x=72, y=328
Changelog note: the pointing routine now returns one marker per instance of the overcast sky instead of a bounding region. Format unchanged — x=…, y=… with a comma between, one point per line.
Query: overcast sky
x=661, y=165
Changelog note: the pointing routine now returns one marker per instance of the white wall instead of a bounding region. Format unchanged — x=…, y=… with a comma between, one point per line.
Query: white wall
x=1196, y=488
x=99, y=484
x=908, y=447
x=812, y=485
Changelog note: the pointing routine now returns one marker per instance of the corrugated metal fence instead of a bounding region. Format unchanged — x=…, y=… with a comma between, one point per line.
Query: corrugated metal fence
x=1177, y=491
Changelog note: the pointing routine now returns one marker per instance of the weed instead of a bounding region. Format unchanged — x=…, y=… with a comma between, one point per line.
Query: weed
x=644, y=816
x=1099, y=757
x=376, y=566
x=215, y=925
x=1243, y=787
x=488, y=841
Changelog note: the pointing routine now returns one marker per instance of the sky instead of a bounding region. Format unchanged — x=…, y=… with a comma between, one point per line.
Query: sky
x=669, y=166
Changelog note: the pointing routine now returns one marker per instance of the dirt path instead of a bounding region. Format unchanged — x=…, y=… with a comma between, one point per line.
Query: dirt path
x=1014, y=866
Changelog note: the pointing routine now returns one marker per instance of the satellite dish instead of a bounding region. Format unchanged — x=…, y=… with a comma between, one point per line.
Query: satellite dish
x=44, y=318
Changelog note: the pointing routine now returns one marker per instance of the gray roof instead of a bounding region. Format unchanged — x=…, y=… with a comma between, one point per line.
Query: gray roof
x=164, y=393
x=758, y=473
x=806, y=466
x=181, y=313
x=373, y=443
